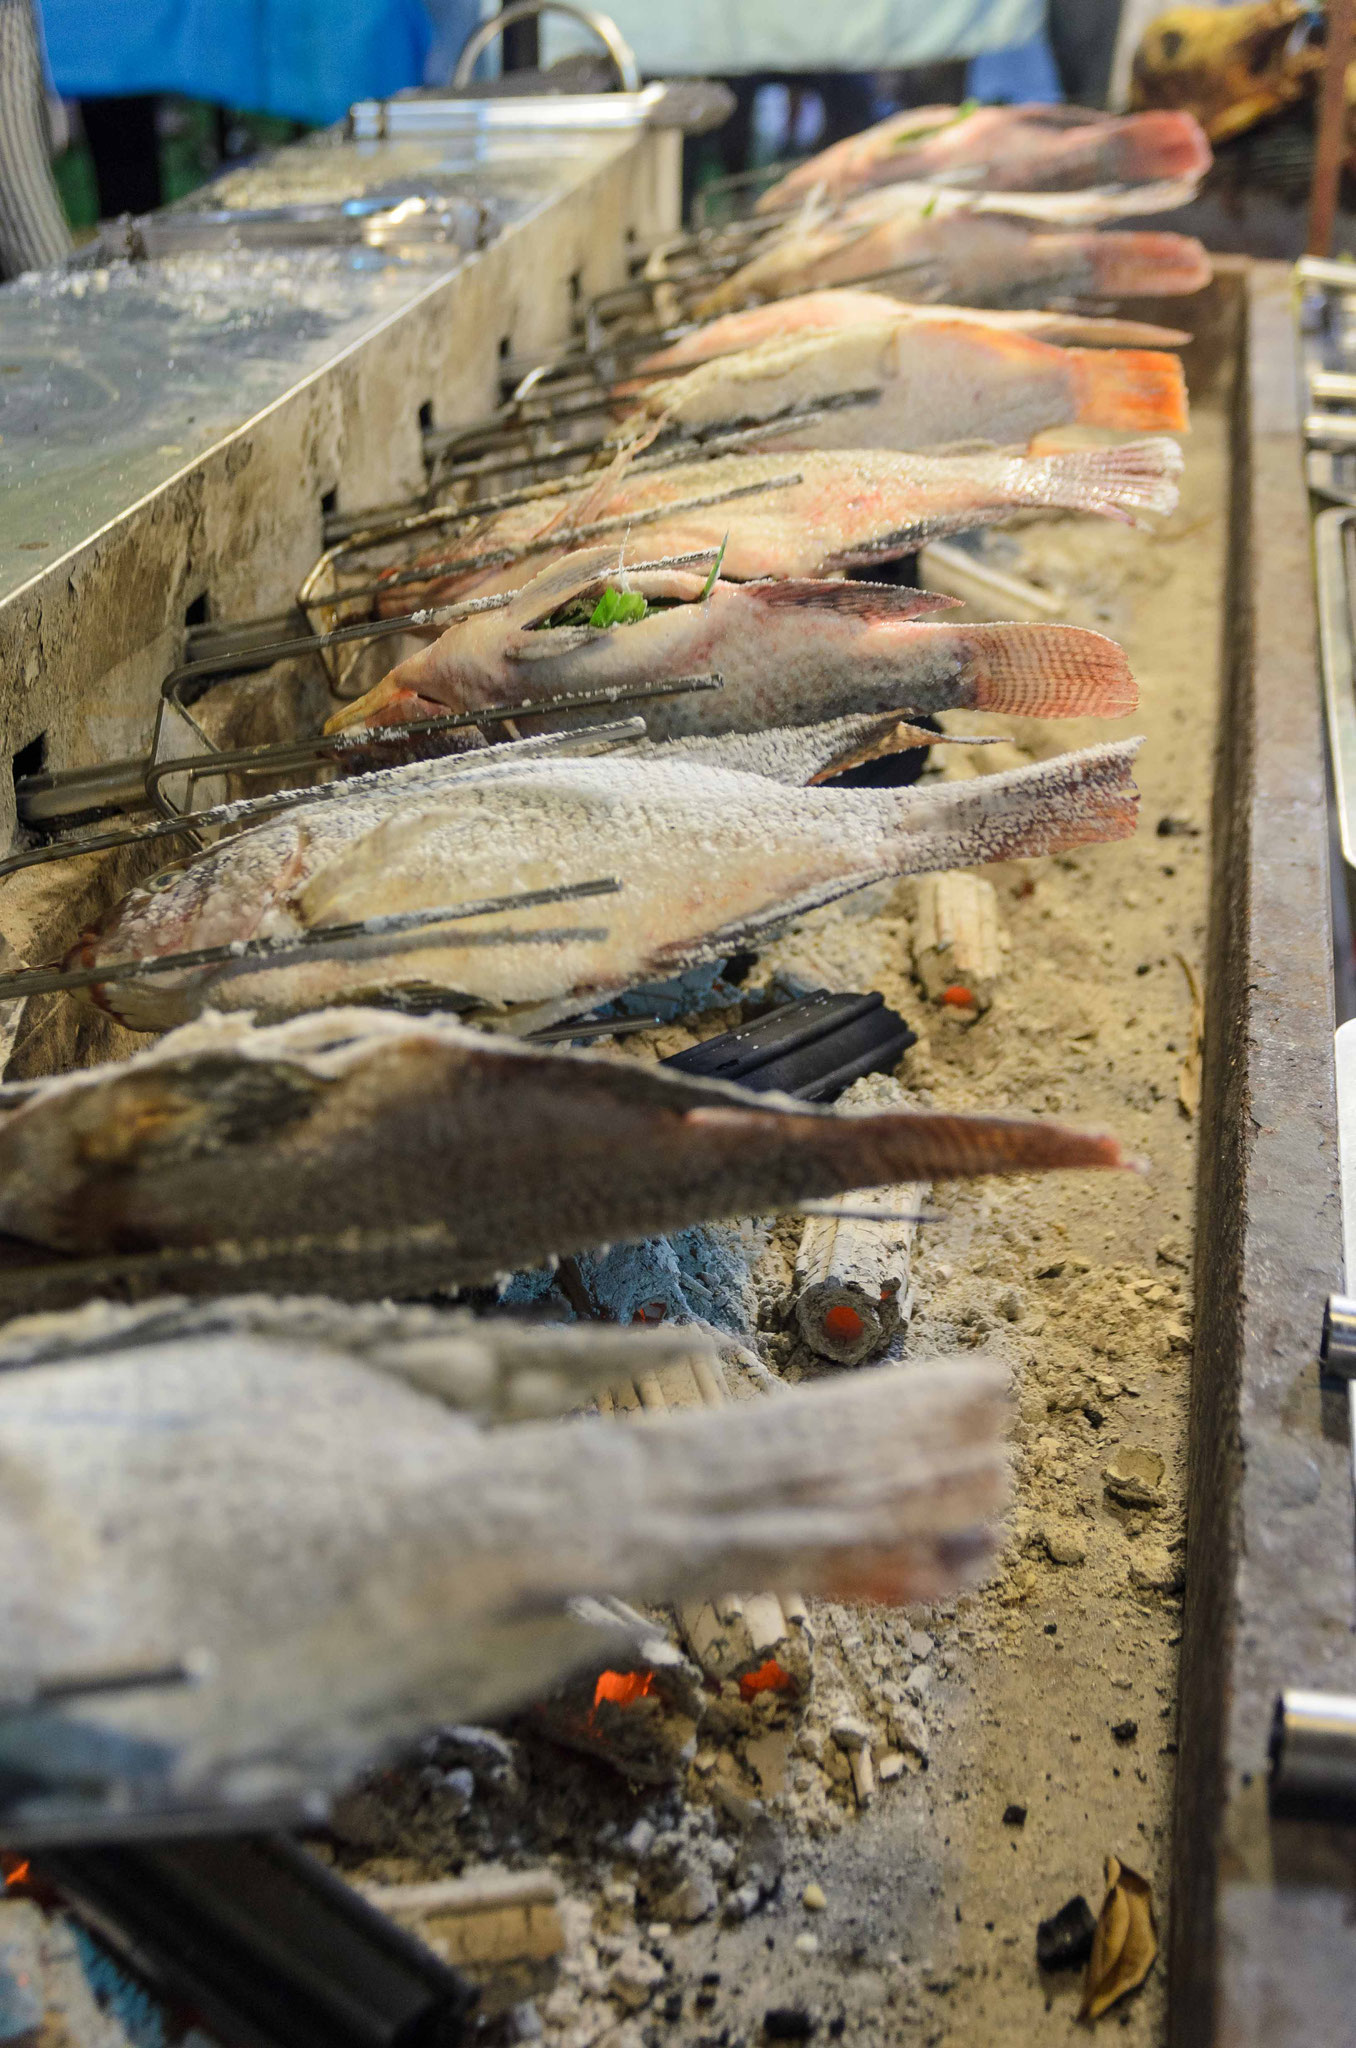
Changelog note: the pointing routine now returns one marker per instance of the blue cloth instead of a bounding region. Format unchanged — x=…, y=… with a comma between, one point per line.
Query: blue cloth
x=307, y=59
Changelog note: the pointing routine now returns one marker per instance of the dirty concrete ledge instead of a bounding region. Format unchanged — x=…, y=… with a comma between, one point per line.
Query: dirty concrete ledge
x=1261, y=1923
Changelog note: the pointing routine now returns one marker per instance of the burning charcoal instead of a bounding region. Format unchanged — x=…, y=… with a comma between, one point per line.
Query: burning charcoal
x=1064, y=1941
x=852, y=1282
x=959, y=947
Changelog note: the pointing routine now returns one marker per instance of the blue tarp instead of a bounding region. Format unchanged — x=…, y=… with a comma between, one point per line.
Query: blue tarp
x=308, y=59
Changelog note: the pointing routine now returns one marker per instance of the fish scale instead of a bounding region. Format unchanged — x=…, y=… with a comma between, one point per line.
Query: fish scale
x=709, y=857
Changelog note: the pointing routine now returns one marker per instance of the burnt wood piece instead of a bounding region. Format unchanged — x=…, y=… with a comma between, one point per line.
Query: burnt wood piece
x=1261, y=1949
x=263, y=1943
x=814, y=1048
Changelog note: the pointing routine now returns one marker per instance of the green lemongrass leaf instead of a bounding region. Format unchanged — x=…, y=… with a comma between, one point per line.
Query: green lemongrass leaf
x=715, y=569
x=618, y=608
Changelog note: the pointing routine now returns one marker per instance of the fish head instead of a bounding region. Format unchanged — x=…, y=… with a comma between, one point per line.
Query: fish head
x=210, y=898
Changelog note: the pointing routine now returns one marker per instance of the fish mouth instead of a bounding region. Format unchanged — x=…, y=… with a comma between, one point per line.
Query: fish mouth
x=83, y=954
x=386, y=703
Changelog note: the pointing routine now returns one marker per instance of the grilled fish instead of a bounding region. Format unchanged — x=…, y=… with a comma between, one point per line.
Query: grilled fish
x=826, y=311
x=789, y=653
x=1029, y=148
x=504, y=1155
x=710, y=859
x=966, y=254
x=815, y=514
x=918, y=384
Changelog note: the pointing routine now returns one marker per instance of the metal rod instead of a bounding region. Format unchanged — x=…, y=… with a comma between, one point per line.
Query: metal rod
x=338, y=636
x=267, y=951
x=593, y=1027
x=1331, y=144
x=563, y=537
x=276, y=754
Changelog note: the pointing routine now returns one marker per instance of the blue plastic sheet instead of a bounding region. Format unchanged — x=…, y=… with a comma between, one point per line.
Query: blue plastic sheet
x=307, y=59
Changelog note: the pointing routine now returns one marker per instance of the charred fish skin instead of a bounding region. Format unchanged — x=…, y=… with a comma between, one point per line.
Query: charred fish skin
x=812, y=514
x=361, y=1122
x=789, y=653
x=710, y=858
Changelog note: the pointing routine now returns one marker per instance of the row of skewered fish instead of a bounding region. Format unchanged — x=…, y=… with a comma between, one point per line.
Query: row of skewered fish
x=293, y=1132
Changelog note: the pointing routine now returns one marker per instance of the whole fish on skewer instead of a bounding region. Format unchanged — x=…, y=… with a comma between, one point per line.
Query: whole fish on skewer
x=364, y=1129
x=961, y=252
x=710, y=860
x=789, y=653
x=916, y=384
x=826, y=311
x=804, y=515
x=1028, y=148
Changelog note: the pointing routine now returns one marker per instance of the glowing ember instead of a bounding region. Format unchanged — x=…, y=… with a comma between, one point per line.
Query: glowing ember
x=843, y=1324
x=622, y=1688
x=15, y=1874
x=959, y=997
x=768, y=1677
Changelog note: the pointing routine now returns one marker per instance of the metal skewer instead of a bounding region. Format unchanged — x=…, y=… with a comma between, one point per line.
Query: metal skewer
x=268, y=952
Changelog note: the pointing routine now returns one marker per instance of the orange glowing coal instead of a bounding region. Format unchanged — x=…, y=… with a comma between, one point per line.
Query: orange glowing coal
x=768, y=1677
x=16, y=1873
x=843, y=1324
x=622, y=1688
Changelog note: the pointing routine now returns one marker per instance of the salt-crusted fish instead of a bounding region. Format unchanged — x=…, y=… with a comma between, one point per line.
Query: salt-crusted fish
x=709, y=859
x=916, y=384
x=1029, y=148
x=825, y=311
x=803, y=515
x=358, y=1564
x=965, y=254
x=789, y=653
x=378, y=1127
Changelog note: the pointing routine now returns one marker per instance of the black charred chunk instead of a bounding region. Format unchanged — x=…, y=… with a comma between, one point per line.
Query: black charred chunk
x=1064, y=1941
x=787, y=2023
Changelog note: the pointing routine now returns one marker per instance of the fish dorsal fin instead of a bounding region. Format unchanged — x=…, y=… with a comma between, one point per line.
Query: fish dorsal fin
x=878, y=602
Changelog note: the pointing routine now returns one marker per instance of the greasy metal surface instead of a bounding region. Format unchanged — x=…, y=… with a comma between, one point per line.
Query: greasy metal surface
x=1262, y=1910
x=173, y=436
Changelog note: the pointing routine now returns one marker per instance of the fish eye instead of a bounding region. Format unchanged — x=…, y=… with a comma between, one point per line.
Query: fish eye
x=164, y=881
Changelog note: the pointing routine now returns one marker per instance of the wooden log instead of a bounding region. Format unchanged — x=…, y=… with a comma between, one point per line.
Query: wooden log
x=355, y=1562
x=959, y=946
x=853, y=1290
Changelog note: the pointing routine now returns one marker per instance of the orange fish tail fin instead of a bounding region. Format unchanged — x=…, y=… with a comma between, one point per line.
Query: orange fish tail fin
x=1132, y=263
x=1037, y=671
x=1137, y=390
x=1162, y=144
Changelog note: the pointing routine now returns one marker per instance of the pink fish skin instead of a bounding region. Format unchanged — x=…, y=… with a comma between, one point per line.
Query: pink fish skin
x=1028, y=148
x=919, y=384
x=827, y=311
x=966, y=257
x=790, y=653
x=823, y=512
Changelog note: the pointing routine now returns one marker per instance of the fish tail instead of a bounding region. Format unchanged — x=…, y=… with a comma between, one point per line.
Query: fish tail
x=1040, y=671
x=1139, y=476
x=1136, y=390
x=1129, y=263
x=1161, y=144
x=919, y=1145
x=1075, y=800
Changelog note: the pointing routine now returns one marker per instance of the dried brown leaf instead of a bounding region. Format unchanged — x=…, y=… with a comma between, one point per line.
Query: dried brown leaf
x=1125, y=1943
x=1189, y=1079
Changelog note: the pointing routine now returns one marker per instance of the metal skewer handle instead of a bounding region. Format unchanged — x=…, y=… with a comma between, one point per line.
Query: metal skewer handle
x=607, y=32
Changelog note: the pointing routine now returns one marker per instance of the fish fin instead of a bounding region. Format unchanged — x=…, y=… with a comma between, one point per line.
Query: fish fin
x=872, y=602
x=1040, y=671
x=551, y=646
x=1137, y=390
x=1161, y=143
x=1075, y=800
x=1130, y=263
x=887, y=735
